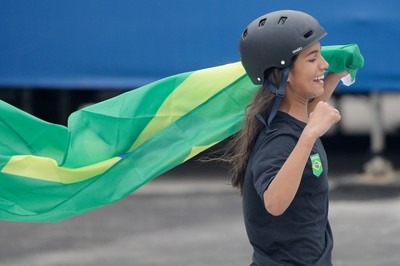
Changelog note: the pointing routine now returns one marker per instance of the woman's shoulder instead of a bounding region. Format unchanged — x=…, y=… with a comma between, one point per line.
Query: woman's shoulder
x=284, y=132
x=285, y=124
x=275, y=138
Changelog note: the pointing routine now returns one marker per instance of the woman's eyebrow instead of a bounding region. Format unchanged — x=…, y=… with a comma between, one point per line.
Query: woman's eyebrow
x=312, y=52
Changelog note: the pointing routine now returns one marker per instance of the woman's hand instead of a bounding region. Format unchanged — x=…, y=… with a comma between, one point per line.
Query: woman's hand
x=338, y=76
x=322, y=119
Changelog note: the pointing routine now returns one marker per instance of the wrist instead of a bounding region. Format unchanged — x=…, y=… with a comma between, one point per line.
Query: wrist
x=309, y=136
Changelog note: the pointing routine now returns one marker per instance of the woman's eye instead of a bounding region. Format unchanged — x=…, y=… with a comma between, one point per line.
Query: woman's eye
x=313, y=60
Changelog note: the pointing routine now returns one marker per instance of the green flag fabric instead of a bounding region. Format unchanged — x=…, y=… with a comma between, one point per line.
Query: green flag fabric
x=50, y=172
x=342, y=58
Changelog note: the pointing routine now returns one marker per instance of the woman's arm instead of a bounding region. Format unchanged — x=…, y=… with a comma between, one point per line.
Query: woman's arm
x=281, y=191
x=284, y=186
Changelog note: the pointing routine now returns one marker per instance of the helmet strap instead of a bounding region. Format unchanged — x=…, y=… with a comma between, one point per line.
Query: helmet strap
x=280, y=93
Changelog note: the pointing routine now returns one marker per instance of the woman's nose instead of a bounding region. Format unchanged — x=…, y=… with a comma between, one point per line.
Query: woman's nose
x=324, y=64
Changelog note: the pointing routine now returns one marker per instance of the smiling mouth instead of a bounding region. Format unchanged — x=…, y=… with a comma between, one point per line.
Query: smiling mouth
x=319, y=79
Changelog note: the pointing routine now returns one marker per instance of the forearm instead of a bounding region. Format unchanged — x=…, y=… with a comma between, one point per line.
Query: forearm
x=283, y=188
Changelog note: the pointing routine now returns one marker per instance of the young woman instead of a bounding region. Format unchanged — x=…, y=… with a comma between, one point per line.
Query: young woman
x=279, y=163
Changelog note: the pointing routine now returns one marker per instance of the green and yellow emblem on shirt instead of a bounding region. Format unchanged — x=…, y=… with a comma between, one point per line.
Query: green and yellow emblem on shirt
x=316, y=164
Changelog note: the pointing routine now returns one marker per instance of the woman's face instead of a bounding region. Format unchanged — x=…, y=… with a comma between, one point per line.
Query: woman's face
x=306, y=76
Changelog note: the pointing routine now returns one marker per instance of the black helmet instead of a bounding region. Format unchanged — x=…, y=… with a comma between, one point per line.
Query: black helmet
x=273, y=39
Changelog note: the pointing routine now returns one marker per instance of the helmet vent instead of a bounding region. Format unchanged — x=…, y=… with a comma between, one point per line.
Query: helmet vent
x=262, y=22
x=244, y=33
x=308, y=34
x=282, y=20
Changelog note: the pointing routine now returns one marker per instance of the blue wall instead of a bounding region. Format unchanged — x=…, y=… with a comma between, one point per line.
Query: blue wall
x=126, y=44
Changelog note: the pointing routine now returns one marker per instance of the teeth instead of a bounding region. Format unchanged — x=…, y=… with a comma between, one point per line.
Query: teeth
x=319, y=78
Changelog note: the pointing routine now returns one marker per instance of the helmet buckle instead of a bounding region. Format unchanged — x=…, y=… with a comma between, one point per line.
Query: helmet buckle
x=280, y=93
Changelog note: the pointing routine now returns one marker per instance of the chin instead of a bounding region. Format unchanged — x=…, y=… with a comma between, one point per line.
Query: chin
x=319, y=92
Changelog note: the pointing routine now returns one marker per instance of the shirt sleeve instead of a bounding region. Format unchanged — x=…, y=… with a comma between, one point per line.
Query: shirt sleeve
x=268, y=160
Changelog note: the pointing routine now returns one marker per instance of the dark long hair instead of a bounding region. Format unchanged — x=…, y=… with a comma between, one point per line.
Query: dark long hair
x=239, y=148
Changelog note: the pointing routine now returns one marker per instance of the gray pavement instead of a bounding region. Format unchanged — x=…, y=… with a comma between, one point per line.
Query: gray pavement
x=186, y=220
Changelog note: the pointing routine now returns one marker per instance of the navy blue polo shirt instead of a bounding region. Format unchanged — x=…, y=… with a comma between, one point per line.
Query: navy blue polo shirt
x=302, y=234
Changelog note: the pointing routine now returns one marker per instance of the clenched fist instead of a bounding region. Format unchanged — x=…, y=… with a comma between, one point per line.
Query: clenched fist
x=322, y=119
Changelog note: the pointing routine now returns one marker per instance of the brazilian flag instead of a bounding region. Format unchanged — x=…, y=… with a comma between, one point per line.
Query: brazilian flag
x=49, y=172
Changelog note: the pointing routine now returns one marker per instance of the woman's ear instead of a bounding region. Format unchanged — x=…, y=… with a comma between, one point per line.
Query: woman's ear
x=289, y=76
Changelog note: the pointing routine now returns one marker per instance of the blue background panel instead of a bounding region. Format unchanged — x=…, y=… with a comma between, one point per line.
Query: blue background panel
x=124, y=44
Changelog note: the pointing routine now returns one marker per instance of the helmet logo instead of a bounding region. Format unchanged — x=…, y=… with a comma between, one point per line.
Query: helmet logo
x=297, y=50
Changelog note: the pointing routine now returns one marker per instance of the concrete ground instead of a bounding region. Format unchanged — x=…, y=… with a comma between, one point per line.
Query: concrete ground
x=195, y=219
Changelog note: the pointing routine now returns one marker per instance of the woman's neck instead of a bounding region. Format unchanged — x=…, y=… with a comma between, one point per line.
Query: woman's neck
x=298, y=108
